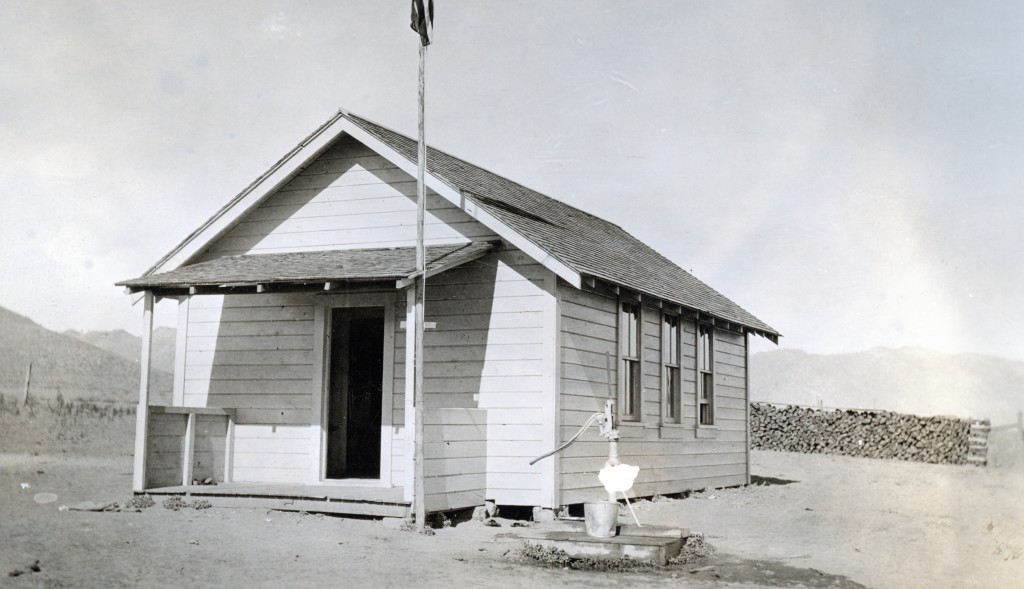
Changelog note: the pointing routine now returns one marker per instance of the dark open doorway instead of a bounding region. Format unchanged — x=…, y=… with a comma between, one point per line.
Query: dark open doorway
x=354, y=396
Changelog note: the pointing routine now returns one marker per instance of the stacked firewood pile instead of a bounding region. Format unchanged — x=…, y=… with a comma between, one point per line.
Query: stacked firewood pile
x=870, y=434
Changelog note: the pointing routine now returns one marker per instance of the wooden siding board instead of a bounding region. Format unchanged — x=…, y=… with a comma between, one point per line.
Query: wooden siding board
x=250, y=314
x=493, y=352
x=253, y=329
x=247, y=388
x=586, y=356
x=274, y=415
x=250, y=358
x=486, y=354
x=248, y=343
x=347, y=197
x=670, y=456
x=248, y=372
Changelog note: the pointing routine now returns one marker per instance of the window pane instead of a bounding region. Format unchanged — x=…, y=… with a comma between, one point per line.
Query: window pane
x=707, y=398
x=672, y=385
x=671, y=342
x=704, y=348
x=630, y=330
x=630, y=394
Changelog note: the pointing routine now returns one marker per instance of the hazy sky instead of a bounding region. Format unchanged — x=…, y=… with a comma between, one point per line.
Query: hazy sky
x=850, y=172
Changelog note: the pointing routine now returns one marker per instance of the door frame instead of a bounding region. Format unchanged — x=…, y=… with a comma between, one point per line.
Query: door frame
x=321, y=390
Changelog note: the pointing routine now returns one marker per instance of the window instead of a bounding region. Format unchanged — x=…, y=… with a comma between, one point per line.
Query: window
x=705, y=375
x=629, y=352
x=670, y=363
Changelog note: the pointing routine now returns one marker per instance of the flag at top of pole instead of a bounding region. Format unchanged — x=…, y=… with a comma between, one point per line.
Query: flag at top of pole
x=423, y=20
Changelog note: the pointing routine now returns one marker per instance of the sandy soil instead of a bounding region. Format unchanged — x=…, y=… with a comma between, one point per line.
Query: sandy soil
x=841, y=522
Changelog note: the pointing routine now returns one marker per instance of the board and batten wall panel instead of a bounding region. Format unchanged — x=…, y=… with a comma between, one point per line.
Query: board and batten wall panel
x=208, y=447
x=486, y=353
x=166, y=447
x=672, y=457
x=348, y=198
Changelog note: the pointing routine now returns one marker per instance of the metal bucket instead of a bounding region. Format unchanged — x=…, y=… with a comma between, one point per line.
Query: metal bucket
x=601, y=518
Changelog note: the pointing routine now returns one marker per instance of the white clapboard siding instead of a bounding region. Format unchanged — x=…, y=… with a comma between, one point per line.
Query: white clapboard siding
x=486, y=353
x=251, y=353
x=272, y=454
x=348, y=198
x=672, y=457
x=455, y=467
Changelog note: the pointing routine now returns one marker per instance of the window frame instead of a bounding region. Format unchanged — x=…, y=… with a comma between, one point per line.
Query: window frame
x=630, y=366
x=705, y=375
x=671, y=368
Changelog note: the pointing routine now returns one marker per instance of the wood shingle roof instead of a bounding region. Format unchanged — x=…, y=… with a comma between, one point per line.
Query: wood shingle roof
x=307, y=267
x=586, y=243
x=556, y=234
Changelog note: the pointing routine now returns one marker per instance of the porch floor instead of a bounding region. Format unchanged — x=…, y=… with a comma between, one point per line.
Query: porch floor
x=340, y=499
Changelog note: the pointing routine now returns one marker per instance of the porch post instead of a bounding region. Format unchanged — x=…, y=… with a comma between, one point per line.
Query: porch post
x=142, y=413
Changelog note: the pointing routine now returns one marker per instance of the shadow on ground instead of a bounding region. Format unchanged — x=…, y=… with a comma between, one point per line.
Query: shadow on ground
x=758, y=480
x=760, y=573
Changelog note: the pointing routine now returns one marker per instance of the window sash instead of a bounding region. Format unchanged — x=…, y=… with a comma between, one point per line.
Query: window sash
x=630, y=340
x=629, y=350
x=671, y=362
x=631, y=392
x=670, y=339
x=705, y=376
x=672, y=397
x=705, y=349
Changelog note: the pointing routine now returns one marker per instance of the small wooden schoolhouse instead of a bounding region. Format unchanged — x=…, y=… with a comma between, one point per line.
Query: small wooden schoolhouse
x=293, y=371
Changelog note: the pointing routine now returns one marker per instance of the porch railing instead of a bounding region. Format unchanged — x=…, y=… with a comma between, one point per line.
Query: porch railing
x=188, y=443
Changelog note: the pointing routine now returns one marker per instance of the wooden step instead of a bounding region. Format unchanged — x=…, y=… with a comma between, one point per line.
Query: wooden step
x=657, y=550
x=634, y=530
x=335, y=506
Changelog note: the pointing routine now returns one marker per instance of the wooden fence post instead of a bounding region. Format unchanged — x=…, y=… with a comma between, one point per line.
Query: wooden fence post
x=28, y=383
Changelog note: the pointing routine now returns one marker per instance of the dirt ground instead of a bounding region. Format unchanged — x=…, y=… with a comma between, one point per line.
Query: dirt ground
x=813, y=521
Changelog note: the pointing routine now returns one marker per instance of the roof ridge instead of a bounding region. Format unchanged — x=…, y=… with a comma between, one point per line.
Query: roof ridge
x=350, y=115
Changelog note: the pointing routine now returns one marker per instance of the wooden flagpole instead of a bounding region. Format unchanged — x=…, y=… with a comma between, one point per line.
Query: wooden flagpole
x=421, y=290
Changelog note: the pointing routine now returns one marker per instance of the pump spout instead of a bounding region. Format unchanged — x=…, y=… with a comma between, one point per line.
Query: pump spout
x=606, y=425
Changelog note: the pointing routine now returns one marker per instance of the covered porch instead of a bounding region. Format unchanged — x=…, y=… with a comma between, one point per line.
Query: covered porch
x=253, y=413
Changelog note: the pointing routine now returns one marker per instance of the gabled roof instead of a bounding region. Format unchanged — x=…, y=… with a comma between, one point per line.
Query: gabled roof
x=589, y=245
x=572, y=243
x=379, y=264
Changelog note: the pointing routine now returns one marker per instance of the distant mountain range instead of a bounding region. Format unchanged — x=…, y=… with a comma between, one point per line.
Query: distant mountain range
x=121, y=343
x=105, y=365
x=908, y=380
x=65, y=365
